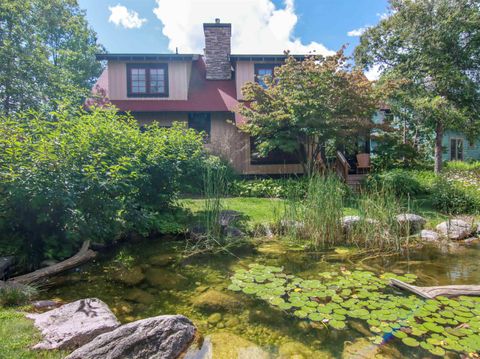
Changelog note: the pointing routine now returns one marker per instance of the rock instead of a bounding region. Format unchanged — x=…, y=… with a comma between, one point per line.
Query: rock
x=213, y=300
x=429, y=236
x=232, y=322
x=413, y=222
x=362, y=348
x=139, y=296
x=162, y=337
x=349, y=222
x=159, y=277
x=129, y=276
x=227, y=217
x=298, y=350
x=43, y=305
x=214, y=318
x=6, y=265
x=74, y=324
x=226, y=345
x=161, y=260
x=455, y=229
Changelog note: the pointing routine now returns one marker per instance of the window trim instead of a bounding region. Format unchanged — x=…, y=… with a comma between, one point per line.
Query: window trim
x=147, y=67
x=456, y=139
x=259, y=66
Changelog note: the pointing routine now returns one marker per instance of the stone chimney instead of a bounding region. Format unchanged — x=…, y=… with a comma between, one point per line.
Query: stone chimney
x=217, y=50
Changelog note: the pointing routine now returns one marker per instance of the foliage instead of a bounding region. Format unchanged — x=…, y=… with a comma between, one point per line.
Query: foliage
x=47, y=53
x=453, y=197
x=78, y=175
x=12, y=295
x=430, y=55
x=306, y=105
x=401, y=182
x=335, y=299
x=267, y=187
x=462, y=166
x=316, y=214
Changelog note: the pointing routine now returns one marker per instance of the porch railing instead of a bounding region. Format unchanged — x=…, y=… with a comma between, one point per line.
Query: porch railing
x=342, y=166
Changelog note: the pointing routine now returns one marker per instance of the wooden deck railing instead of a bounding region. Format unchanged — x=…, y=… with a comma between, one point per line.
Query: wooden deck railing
x=342, y=166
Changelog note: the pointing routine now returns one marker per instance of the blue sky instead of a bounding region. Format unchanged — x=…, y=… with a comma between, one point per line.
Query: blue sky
x=259, y=26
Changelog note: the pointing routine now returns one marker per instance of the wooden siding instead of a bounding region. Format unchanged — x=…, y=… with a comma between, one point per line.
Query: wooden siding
x=471, y=151
x=244, y=72
x=178, y=78
x=226, y=141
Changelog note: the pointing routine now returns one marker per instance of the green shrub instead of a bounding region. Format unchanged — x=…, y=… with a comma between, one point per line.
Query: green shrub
x=268, y=187
x=11, y=295
x=454, y=198
x=462, y=166
x=400, y=182
x=71, y=176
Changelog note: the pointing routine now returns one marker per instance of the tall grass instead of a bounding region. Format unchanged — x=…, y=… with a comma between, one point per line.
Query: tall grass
x=316, y=215
x=378, y=227
x=214, y=189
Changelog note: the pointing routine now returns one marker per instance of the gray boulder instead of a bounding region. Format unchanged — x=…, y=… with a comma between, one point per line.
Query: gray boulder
x=429, y=236
x=455, y=229
x=162, y=337
x=411, y=222
x=349, y=222
x=74, y=324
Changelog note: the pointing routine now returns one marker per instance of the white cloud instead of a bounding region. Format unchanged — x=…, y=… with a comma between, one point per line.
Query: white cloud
x=129, y=19
x=258, y=26
x=357, y=32
x=373, y=73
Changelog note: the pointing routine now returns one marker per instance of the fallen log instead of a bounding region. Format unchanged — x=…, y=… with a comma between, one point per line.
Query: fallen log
x=84, y=255
x=432, y=292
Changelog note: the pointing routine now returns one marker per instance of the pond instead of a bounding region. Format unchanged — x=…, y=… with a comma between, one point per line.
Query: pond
x=150, y=278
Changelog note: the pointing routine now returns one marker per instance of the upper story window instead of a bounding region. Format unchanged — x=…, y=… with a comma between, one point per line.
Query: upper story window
x=263, y=70
x=147, y=80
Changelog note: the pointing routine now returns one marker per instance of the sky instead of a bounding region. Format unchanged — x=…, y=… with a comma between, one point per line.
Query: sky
x=258, y=26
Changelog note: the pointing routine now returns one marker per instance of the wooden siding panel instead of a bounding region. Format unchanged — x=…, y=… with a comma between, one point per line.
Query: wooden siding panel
x=245, y=71
x=469, y=152
x=178, y=78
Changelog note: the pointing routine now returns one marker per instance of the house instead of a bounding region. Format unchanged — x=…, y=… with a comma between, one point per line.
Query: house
x=457, y=147
x=201, y=90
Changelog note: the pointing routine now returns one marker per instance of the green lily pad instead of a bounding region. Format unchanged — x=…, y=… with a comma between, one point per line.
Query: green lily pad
x=411, y=342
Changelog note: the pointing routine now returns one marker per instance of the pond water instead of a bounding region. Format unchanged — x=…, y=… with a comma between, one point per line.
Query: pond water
x=152, y=277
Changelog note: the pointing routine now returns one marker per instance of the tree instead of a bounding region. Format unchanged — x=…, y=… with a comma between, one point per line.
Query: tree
x=431, y=49
x=47, y=53
x=307, y=104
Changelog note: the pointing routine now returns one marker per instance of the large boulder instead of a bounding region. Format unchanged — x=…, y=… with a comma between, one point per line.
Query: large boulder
x=74, y=324
x=162, y=337
x=413, y=223
x=213, y=300
x=455, y=229
x=349, y=222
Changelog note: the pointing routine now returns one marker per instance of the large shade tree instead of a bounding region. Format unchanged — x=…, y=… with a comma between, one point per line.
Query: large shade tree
x=307, y=104
x=430, y=50
x=47, y=54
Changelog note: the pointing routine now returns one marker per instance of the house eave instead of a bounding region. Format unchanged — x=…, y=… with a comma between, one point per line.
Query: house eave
x=146, y=57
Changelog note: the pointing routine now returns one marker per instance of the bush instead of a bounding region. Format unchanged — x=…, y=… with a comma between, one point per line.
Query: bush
x=268, y=187
x=12, y=295
x=71, y=176
x=454, y=198
x=401, y=182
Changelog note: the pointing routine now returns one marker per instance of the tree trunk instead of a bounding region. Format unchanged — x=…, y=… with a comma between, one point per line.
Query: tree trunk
x=432, y=292
x=438, y=147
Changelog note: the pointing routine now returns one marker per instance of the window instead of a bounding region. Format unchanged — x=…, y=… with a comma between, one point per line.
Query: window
x=275, y=157
x=456, y=149
x=200, y=122
x=262, y=70
x=147, y=80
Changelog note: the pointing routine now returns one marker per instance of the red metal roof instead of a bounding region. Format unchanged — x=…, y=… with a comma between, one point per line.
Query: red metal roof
x=203, y=95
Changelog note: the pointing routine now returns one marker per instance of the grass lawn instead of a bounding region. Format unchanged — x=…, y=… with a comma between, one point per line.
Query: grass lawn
x=17, y=335
x=256, y=210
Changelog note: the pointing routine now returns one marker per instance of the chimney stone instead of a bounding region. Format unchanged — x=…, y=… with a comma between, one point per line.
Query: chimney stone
x=217, y=50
